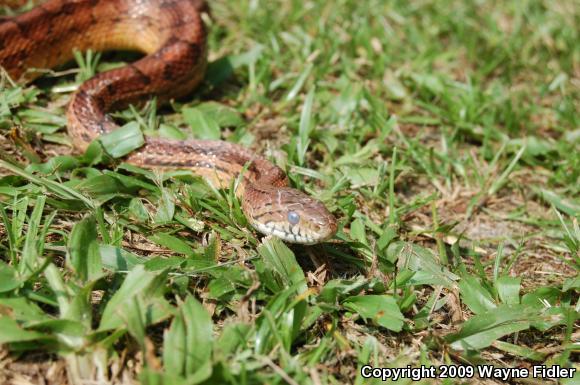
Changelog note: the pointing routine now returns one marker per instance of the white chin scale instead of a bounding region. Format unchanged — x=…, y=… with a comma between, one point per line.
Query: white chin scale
x=283, y=235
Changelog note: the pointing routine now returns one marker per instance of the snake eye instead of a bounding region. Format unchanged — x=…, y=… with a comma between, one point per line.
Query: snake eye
x=293, y=217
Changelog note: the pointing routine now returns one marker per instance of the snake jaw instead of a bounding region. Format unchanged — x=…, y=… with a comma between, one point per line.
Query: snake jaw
x=291, y=237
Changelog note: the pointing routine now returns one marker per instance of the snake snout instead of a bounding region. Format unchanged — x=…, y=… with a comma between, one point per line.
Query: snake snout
x=326, y=228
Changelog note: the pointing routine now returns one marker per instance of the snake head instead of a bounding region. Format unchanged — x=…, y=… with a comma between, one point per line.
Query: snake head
x=292, y=216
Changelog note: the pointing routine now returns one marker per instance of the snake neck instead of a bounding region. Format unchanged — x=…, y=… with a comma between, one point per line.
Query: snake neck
x=219, y=162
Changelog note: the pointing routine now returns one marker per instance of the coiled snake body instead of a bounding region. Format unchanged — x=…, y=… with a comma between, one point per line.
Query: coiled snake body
x=172, y=35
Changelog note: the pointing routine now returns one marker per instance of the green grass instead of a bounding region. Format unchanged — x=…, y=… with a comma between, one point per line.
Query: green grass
x=444, y=136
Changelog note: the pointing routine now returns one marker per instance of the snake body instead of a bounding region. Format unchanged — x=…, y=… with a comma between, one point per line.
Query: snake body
x=172, y=36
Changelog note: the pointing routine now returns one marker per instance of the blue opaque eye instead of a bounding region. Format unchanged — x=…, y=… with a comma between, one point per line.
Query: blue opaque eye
x=293, y=217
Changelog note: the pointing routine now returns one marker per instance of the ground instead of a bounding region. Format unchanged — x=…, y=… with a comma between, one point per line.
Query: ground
x=443, y=135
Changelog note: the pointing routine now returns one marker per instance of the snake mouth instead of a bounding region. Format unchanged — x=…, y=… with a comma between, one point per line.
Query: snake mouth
x=299, y=237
